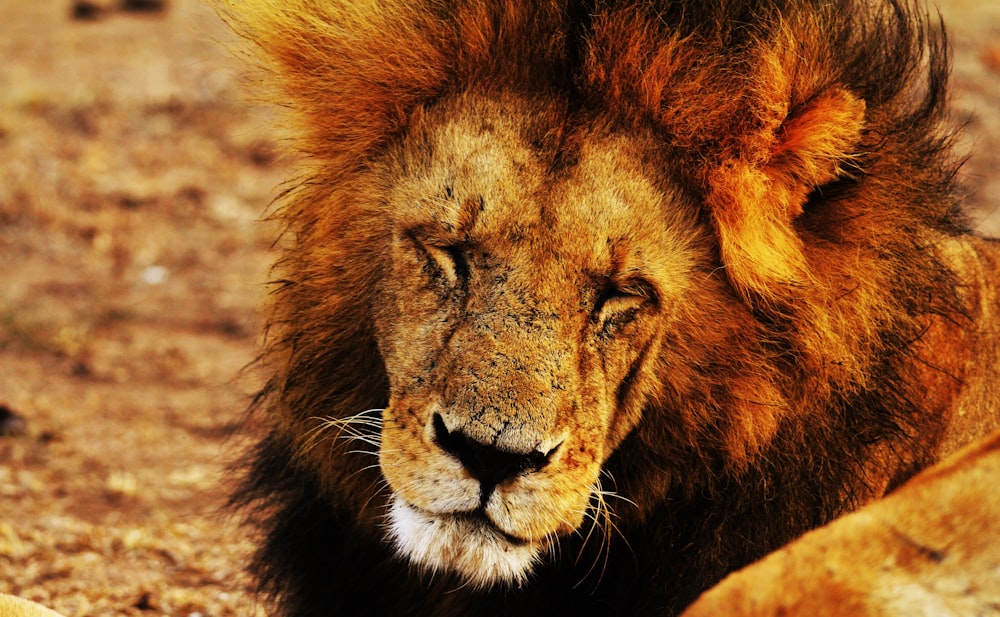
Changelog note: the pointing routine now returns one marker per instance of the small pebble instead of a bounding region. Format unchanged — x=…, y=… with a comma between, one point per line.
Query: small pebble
x=11, y=424
x=155, y=275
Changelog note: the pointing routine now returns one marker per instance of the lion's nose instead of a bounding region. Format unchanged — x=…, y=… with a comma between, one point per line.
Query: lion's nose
x=486, y=462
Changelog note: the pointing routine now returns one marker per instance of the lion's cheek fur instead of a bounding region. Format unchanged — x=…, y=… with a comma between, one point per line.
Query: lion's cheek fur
x=545, y=505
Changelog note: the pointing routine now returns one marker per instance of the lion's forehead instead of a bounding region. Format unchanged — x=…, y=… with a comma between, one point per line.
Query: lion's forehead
x=483, y=178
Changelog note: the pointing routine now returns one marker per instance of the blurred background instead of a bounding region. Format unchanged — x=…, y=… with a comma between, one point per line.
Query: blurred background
x=134, y=171
x=133, y=174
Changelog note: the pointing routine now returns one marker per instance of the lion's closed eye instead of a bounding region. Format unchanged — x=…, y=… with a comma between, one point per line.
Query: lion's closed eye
x=447, y=263
x=618, y=304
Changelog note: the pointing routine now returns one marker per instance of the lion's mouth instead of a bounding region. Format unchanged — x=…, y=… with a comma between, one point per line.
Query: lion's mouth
x=481, y=519
x=467, y=543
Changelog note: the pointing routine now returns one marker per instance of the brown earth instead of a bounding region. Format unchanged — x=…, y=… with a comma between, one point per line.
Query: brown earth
x=133, y=174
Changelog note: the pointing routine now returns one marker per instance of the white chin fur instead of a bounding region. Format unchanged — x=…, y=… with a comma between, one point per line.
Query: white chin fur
x=481, y=555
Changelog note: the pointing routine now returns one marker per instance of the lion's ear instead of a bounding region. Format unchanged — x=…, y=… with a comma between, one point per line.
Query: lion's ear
x=754, y=203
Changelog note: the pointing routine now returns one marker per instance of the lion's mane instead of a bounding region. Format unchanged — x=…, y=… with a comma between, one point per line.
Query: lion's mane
x=814, y=133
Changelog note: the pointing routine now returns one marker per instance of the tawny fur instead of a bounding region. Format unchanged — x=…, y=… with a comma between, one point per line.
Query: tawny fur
x=707, y=257
x=930, y=548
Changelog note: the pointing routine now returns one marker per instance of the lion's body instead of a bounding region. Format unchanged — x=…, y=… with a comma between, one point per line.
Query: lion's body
x=928, y=549
x=623, y=297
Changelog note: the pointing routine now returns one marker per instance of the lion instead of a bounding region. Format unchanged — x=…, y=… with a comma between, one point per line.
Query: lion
x=583, y=305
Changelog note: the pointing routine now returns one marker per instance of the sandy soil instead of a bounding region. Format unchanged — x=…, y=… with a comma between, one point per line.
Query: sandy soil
x=132, y=177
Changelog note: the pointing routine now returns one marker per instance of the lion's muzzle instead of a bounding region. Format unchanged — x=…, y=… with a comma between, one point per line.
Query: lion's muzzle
x=486, y=462
x=484, y=501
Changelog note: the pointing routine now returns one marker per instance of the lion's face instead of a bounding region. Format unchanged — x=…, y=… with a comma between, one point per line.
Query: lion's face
x=522, y=314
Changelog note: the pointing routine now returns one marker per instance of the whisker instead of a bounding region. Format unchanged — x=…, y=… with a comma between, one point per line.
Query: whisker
x=613, y=492
x=611, y=516
x=620, y=498
x=363, y=470
x=377, y=488
x=362, y=426
x=603, y=520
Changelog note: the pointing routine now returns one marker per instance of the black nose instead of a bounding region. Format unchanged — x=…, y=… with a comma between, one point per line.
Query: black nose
x=487, y=463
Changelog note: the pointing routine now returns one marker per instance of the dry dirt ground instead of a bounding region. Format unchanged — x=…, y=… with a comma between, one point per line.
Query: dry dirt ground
x=133, y=174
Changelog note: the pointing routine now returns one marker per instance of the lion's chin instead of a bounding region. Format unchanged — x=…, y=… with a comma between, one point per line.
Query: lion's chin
x=467, y=545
